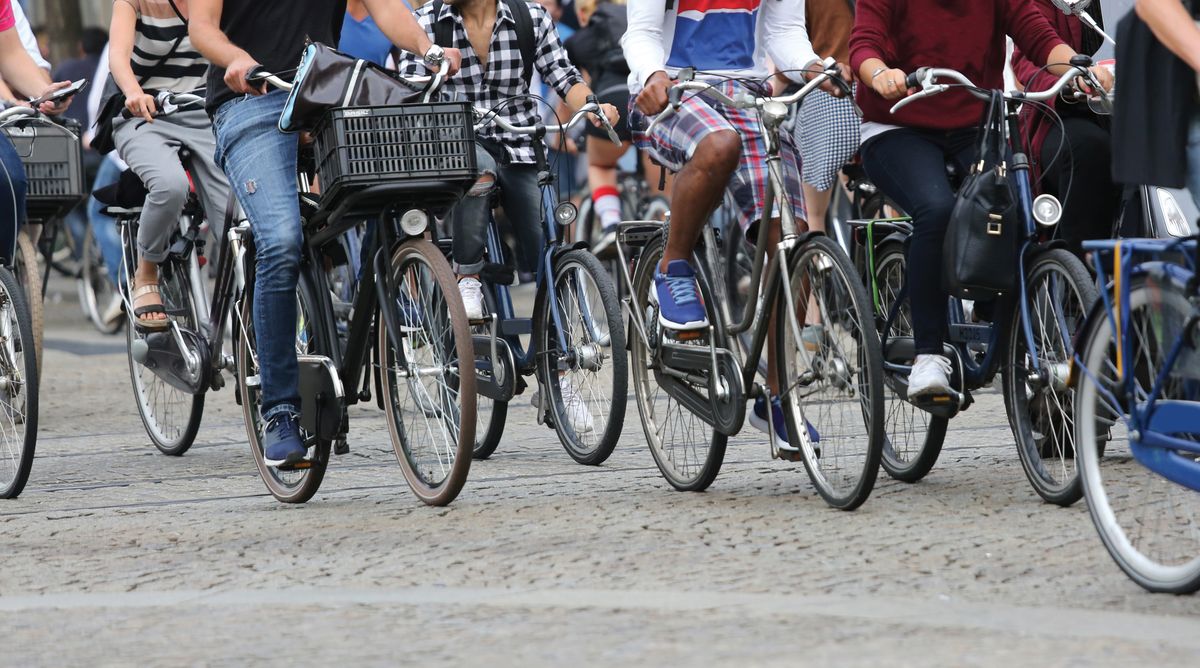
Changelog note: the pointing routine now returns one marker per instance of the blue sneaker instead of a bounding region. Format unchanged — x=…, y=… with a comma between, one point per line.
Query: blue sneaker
x=758, y=418
x=680, y=306
x=282, y=445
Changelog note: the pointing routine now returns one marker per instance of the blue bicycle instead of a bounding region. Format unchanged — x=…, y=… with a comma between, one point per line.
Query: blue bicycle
x=577, y=349
x=1138, y=400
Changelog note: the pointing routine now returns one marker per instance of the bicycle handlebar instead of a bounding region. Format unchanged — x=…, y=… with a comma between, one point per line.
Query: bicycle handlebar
x=745, y=100
x=926, y=78
x=486, y=116
x=432, y=83
x=168, y=103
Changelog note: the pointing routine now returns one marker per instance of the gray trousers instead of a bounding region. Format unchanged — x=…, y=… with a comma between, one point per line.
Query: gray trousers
x=522, y=201
x=152, y=151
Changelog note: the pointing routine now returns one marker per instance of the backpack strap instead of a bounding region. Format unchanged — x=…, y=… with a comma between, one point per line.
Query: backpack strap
x=526, y=39
x=443, y=31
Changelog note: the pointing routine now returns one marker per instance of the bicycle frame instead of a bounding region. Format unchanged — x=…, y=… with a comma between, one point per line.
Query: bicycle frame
x=1152, y=422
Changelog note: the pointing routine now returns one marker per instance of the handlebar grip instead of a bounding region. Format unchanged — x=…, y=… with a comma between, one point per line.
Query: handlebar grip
x=675, y=96
x=254, y=73
x=913, y=80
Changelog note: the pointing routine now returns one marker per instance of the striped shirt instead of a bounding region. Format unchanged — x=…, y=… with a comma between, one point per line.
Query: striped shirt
x=158, y=28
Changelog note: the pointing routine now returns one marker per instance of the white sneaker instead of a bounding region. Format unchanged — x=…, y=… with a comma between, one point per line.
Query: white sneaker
x=472, y=297
x=930, y=375
x=575, y=406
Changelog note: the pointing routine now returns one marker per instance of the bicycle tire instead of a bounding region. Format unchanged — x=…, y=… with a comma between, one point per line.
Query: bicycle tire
x=904, y=423
x=1039, y=415
x=453, y=402
x=1103, y=469
x=29, y=275
x=490, y=415
x=159, y=403
x=608, y=354
x=676, y=470
x=286, y=485
x=95, y=288
x=22, y=375
x=821, y=268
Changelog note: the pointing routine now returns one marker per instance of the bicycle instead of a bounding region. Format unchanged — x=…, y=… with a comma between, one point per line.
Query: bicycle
x=407, y=311
x=53, y=159
x=577, y=350
x=1029, y=339
x=1137, y=407
x=692, y=387
x=19, y=377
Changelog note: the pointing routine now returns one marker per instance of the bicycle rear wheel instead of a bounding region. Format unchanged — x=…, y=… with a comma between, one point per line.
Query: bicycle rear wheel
x=292, y=485
x=490, y=415
x=170, y=415
x=28, y=273
x=1149, y=525
x=430, y=402
x=1040, y=403
x=18, y=388
x=687, y=450
x=912, y=437
x=588, y=383
x=831, y=375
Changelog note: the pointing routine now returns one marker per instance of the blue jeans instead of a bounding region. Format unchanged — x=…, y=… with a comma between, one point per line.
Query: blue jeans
x=1193, y=156
x=260, y=162
x=12, y=199
x=104, y=228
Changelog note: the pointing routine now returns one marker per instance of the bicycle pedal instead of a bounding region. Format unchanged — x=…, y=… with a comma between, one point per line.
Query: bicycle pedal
x=485, y=320
x=789, y=455
x=683, y=335
x=301, y=465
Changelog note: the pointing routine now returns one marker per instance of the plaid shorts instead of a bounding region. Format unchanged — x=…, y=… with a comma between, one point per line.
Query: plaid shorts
x=673, y=142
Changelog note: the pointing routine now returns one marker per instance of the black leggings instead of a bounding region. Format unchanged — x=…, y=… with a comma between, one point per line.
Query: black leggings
x=1085, y=165
x=909, y=166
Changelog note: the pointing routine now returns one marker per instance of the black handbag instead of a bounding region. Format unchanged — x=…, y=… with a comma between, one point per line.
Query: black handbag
x=327, y=79
x=981, y=242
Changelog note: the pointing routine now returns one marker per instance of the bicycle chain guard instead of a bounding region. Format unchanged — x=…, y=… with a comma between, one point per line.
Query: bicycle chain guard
x=684, y=366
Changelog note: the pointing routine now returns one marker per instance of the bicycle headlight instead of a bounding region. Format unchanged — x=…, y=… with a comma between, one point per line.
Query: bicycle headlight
x=1176, y=222
x=565, y=213
x=1047, y=210
x=414, y=222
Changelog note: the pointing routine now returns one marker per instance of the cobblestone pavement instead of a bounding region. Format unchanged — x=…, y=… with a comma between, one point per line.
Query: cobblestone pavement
x=118, y=555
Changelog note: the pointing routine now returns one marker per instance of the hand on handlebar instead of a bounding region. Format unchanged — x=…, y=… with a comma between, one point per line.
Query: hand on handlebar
x=236, y=73
x=1102, y=75
x=891, y=84
x=655, y=96
x=454, y=59
x=142, y=105
x=833, y=86
x=610, y=112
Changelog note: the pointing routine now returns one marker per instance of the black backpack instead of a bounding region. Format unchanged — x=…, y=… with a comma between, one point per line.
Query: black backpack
x=443, y=32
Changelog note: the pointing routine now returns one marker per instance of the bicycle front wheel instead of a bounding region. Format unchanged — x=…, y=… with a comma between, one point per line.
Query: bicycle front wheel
x=830, y=373
x=18, y=388
x=687, y=450
x=1148, y=524
x=430, y=402
x=1040, y=404
x=587, y=382
x=913, y=438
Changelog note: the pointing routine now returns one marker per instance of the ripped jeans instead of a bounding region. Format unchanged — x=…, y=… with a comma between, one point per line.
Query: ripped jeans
x=522, y=201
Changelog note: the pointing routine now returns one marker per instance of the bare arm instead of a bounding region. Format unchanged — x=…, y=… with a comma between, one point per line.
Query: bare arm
x=1172, y=24
x=204, y=28
x=24, y=75
x=121, y=34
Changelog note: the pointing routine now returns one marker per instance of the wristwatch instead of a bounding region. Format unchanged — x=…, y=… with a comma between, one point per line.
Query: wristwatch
x=434, y=57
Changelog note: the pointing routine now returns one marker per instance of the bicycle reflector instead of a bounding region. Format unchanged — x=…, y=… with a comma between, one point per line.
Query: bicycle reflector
x=565, y=213
x=1047, y=210
x=414, y=222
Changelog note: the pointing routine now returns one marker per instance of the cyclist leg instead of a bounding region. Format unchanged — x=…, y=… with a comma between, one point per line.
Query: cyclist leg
x=104, y=228
x=1081, y=176
x=522, y=200
x=13, y=187
x=151, y=150
x=468, y=233
x=211, y=184
x=910, y=167
x=260, y=163
x=827, y=134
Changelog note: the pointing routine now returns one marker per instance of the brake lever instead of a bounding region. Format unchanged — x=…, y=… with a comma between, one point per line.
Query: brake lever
x=926, y=92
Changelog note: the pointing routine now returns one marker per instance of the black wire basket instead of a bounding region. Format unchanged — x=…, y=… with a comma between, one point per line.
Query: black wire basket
x=428, y=150
x=53, y=160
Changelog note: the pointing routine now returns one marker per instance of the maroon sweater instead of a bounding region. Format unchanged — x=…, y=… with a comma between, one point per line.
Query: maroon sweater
x=965, y=35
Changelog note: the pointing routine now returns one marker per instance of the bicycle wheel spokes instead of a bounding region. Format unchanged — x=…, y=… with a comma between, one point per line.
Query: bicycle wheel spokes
x=1151, y=526
x=18, y=389
x=829, y=373
x=429, y=396
x=1058, y=292
x=583, y=367
x=912, y=438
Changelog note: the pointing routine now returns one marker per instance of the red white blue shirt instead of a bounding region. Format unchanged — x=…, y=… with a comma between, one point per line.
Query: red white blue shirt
x=727, y=37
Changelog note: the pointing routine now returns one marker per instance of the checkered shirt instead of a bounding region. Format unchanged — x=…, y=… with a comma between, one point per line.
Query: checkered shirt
x=488, y=86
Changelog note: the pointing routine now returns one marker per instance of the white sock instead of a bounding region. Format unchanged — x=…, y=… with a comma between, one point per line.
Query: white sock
x=607, y=204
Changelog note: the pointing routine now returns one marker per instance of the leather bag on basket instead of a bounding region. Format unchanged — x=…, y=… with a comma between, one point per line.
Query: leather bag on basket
x=327, y=79
x=981, y=242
